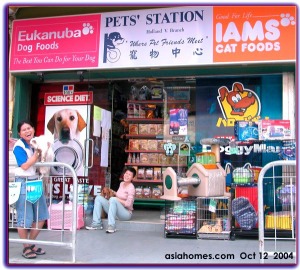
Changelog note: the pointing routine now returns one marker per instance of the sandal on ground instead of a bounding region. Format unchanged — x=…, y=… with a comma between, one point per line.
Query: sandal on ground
x=28, y=253
x=38, y=251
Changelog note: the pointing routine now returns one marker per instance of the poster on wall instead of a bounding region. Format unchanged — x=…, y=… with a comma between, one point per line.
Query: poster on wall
x=68, y=126
x=178, y=121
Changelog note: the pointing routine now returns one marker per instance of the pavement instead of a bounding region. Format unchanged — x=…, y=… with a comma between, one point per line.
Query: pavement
x=142, y=242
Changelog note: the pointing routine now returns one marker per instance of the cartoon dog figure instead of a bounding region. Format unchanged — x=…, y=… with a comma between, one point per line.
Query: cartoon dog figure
x=43, y=144
x=238, y=104
x=169, y=148
x=66, y=125
x=111, y=41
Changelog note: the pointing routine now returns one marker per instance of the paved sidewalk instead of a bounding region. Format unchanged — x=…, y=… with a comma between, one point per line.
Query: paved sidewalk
x=145, y=248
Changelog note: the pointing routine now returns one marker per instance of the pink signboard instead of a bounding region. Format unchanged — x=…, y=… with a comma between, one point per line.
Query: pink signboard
x=55, y=43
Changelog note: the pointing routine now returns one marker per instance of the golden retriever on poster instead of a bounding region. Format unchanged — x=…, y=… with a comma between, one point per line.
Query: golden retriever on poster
x=66, y=125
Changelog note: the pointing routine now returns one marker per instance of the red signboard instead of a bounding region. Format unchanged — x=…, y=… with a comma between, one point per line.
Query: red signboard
x=79, y=98
x=55, y=43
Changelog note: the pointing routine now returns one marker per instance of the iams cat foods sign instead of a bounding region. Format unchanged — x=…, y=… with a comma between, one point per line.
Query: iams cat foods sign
x=190, y=35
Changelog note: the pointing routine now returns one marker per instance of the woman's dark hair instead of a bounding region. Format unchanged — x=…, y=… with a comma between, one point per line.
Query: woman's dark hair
x=131, y=169
x=21, y=123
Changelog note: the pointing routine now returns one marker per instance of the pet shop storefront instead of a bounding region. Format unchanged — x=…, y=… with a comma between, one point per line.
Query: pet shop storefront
x=180, y=73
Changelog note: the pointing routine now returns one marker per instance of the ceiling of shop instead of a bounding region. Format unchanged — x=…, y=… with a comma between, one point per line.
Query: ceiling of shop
x=34, y=11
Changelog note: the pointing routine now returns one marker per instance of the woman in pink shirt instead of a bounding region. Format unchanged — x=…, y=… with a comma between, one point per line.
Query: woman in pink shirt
x=120, y=206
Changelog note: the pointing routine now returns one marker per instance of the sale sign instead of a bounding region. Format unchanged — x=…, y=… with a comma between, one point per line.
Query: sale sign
x=55, y=43
x=254, y=33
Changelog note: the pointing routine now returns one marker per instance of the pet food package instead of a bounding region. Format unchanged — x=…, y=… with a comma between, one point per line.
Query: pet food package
x=133, y=129
x=174, y=124
x=152, y=129
x=274, y=129
x=160, y=145
x=142, y=111
x=153, y=158
x=141, y=173
x=157, y=173
x=143, y=129
x=156, y=92
x=144, y=159
x=136, y=111
x=139, y=192
x=150, y=108
x=146, y=192
x=159, y=129
x=156, y=193
x=130, y=110
x=143, y=145
x=245, y=130
x=149, y=173
x=134, y=144
x=152, y=145
x=183, y=121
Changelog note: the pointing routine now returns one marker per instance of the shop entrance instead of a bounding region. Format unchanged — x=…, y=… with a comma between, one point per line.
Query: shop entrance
x=54, y=114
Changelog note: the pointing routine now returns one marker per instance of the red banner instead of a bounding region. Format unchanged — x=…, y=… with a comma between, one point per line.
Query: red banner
x=55, y=43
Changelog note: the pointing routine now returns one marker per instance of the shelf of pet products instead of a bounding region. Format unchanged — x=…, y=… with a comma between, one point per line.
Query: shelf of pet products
x=148, y=195
x=144, y=136
x=145, y=120
x=148, y=151
x=181, y=218
x=152, y=181
x=159, y=101
x=243, y=169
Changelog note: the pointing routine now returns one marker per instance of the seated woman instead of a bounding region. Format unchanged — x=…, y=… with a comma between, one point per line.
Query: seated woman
x=120, y=206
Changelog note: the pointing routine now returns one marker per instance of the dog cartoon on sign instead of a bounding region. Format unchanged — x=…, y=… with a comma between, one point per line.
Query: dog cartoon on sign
x=111, y=52
x=239, y=103
x=169, y=148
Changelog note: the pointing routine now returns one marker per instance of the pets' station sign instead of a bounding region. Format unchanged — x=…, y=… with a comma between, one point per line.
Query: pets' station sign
x=156, y=37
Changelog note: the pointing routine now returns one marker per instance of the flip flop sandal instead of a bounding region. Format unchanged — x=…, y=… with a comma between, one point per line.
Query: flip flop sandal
x=28, y=255
x=38, y=251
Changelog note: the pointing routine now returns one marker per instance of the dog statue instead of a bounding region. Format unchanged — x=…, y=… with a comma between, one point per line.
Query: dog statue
x=43, y=144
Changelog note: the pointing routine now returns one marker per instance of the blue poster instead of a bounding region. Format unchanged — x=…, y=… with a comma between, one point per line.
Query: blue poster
x=34, y=190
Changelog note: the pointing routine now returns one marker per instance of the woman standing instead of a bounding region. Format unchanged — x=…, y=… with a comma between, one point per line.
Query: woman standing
x=120, y=206
x=28, y=223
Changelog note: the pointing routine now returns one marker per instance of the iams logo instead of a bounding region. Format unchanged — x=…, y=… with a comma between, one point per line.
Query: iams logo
x=87, y=29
